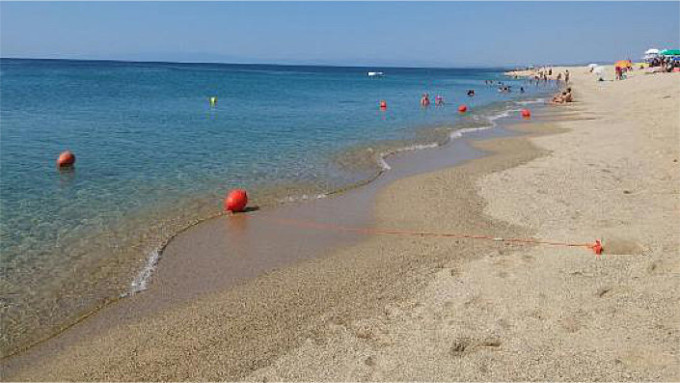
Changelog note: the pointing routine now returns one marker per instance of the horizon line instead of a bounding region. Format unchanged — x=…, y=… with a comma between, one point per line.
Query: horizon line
x=508, y=66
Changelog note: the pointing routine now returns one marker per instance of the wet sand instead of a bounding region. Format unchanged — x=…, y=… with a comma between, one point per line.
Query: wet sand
x=397, y=307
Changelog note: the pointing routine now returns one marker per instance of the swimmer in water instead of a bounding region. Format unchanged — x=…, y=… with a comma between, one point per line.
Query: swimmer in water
x=425, y=100
x=438, y=100
x=471, y=93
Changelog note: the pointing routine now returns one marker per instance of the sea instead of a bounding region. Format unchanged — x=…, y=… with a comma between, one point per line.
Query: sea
x=153, y=157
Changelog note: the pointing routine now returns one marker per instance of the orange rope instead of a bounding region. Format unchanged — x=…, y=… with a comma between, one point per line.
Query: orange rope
x=596, y=247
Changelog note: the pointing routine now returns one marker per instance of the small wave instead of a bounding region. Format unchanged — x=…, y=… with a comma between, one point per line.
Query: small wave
x=530, y=102
x=385, y=166
x=142, y=279
x=492, y=124
x=382, y=162
x=461, y=132
x=303, y=197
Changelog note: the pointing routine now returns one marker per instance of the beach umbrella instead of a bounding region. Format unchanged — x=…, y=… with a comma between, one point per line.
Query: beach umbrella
x=670, y=52
x=624, y=64
x=651, y=54
x=591, y=66
x=598, y=70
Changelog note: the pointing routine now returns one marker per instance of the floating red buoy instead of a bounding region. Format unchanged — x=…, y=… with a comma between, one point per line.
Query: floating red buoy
x=526, y=113
x=236, y=201
x=462, y=108
x=66, y=159
x=383, y=104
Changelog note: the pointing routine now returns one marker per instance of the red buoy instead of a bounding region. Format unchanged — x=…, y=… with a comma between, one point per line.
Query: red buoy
x=66, y=159
x=526, y=113
x=462, y=108
x=236, y=201
x=383, y=104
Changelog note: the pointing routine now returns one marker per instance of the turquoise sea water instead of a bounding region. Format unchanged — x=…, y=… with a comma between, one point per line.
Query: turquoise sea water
x=153, y=156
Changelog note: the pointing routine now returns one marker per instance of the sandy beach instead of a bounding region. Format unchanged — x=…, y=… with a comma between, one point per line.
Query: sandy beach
x=397, y=307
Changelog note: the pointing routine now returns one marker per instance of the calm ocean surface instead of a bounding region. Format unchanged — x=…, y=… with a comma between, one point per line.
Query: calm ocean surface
x=153, y=157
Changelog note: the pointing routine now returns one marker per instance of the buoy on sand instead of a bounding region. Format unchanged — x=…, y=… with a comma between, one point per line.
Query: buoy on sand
x=66, y=159
x=236, y=201
x=526, y=113
x=462, y=108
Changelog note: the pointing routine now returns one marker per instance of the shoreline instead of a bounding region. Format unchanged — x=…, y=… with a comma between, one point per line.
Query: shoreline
x=395, y=308
x=115, y=319
x=158, y=236
x=403, y=157
x=486, y=119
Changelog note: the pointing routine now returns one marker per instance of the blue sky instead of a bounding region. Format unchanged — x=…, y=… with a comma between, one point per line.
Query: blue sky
x=354, y=33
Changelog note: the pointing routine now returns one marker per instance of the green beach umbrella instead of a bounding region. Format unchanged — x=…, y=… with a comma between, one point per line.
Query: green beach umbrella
x=670, y=52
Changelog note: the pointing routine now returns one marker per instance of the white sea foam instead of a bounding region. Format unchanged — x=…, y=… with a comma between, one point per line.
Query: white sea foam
x=385, y=166
x=530, y=102
x=461, y=132
x=492, y=124
x=382, y=162
x=303, y=197
x=142, y=279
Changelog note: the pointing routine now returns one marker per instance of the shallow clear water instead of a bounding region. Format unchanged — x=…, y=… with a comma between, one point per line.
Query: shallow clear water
x=153, y=156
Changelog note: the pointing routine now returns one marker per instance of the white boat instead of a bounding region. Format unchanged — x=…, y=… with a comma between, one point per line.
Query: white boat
x=375, y=74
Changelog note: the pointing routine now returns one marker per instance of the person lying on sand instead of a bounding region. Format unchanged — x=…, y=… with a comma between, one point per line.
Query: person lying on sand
x=559, y=98
x=563, y=98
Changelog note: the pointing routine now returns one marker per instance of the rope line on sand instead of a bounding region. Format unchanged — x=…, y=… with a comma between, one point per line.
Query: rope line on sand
x=596, y=246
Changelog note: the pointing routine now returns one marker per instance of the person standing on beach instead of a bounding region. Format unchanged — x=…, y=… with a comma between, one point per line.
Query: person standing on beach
x=566, y=76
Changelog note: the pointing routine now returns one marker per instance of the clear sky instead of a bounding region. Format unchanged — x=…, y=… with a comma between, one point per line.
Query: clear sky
x=354, y=33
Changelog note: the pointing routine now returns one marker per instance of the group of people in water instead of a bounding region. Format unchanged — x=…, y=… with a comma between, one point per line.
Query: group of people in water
x=439, y=100
x=540, y=75
x=544, y=75
x=502, y=87
x=425, y=100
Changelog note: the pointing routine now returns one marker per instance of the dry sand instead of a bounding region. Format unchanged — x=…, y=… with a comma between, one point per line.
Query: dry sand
x=409, y=308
